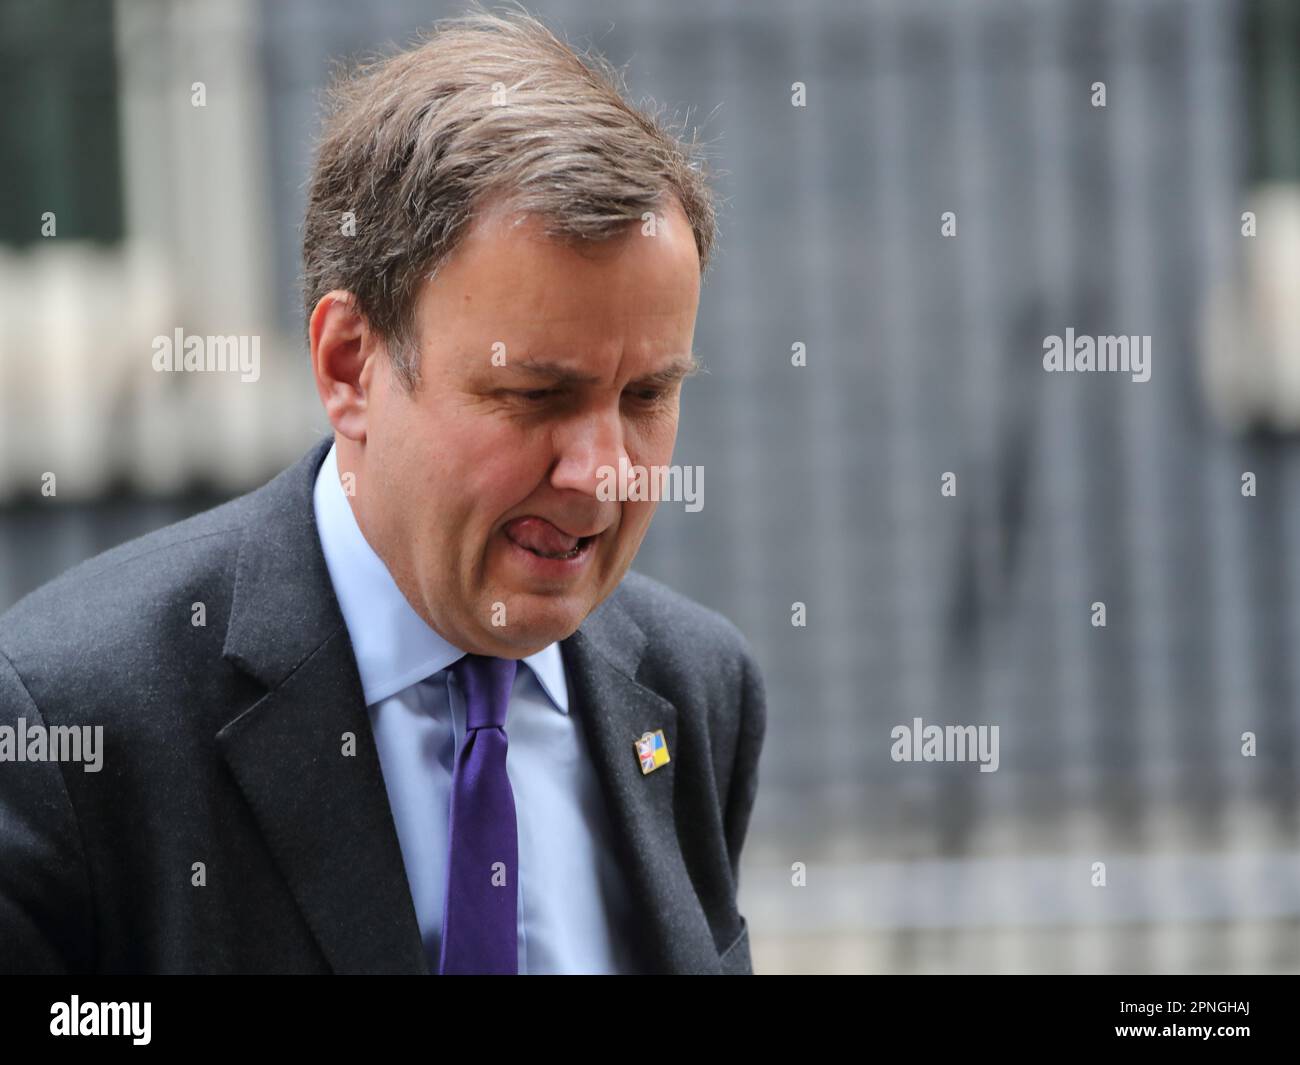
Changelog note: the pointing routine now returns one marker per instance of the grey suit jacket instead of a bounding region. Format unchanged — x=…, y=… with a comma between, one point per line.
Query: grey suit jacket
x=222, y=745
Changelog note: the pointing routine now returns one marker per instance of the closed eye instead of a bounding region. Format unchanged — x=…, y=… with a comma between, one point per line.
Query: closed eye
x=540, y=395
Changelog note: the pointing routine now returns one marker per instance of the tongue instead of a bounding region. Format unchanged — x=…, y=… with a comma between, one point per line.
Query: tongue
x=538, y=534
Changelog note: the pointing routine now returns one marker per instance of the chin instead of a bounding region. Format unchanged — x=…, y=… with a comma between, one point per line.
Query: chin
x=538, y=620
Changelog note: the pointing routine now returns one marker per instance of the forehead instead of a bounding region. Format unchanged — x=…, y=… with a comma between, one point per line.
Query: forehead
x=507, y=272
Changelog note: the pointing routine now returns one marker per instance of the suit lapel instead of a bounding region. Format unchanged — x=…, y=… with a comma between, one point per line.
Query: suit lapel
x=325, y=815
x=600, y=661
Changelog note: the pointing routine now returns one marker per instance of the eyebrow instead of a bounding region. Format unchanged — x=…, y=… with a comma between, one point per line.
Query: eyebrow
x=681, y=367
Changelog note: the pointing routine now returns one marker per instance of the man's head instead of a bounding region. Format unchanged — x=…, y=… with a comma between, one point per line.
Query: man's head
x=502, y=269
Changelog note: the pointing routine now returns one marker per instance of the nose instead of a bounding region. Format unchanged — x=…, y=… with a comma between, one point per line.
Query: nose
x=590, y=447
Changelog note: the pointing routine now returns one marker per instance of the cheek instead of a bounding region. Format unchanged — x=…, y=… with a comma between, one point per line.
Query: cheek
x=651, y=444
x=401, y=442
x=497, y=472
x=635, y=520
x=456, y=453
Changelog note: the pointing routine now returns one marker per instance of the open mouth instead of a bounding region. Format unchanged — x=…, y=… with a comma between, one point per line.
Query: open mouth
x=539, y=537
x=580, y=548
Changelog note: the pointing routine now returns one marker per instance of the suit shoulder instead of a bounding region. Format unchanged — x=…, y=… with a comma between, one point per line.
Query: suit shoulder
x=674, y=620
x=116, y=596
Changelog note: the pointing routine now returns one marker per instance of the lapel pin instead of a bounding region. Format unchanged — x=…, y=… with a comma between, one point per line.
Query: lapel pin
x=652, y=751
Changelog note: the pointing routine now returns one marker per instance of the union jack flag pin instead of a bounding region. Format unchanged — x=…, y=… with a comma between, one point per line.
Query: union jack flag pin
x=652, y=751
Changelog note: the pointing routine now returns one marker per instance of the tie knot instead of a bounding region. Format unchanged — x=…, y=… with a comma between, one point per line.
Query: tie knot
x=486, y=683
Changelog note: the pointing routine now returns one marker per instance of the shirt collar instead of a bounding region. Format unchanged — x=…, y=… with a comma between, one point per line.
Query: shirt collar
x=394, y=648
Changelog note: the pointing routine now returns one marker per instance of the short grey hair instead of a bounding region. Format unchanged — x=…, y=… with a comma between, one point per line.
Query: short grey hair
x=486, y=109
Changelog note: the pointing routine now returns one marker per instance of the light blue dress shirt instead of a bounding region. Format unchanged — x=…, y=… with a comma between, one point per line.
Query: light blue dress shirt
x=574, y=907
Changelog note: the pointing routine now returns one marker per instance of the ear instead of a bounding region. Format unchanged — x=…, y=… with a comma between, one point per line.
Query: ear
x=344, y=355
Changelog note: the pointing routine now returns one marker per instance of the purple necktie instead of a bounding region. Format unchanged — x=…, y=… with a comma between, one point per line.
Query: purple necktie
x=480, y=917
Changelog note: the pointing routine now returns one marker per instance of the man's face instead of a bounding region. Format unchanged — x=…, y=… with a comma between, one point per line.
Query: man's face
x=540, y=365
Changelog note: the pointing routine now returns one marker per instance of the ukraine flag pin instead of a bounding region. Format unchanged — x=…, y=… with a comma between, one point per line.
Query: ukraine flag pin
x=652, y=751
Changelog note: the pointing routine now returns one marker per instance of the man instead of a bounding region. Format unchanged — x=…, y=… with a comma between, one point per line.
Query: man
x=404, y=708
